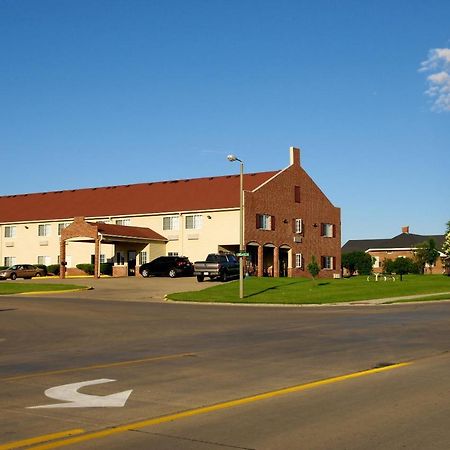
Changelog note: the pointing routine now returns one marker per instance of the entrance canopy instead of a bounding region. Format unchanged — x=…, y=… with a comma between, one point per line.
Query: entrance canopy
x=99, y=232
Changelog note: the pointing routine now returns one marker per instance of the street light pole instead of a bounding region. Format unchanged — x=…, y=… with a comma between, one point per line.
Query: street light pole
x=233, y=158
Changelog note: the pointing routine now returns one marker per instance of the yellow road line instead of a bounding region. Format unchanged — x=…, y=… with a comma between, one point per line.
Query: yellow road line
x=41, y=439
x=98, y=366
x=207, y=409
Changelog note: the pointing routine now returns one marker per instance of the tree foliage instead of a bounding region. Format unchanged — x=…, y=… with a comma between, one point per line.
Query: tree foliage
x=361, y=262
x=400, y=266
x=446, y=245
x=426, y=254
x=313, y=268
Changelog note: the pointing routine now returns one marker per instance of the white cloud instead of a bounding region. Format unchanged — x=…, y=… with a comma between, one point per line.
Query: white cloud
x=438, y=90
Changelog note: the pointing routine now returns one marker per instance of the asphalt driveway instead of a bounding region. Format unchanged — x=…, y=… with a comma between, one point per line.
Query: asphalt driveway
x=126, y=288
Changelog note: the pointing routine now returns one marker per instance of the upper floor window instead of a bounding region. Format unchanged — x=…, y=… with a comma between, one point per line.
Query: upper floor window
x=10, y=231
x=122, y=222
x=265, y=222
x=297, y=194
x=298, y=226
x=327, y=262
x=61, y=227
x=327, y=230
x=194, y=222
x=171, y=223
x=44, y=229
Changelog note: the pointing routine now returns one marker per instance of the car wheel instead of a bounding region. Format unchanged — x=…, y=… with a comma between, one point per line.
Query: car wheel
x=172, y=273
x=200, y=278
x=13, y=276
x=37, y=274
x=145, y=273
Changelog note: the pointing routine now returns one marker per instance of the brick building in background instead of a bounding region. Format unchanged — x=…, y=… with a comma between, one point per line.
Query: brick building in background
x=288, y=219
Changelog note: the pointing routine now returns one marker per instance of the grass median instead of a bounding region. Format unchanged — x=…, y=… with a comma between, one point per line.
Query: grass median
x=10, y=288
x=307, y=291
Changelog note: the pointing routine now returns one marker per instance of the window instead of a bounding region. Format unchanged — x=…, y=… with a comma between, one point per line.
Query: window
x=298, y=226
x=376, y=262
x=328, y=262
x=298, y=260
x=9, y=261
x=194, y=222
x=102, y=258
x=45, y=260
x=44, y=229
x=10, y=231
x=61, y=227
x=142, y=258
x=265, y=222
x=297, y=194
x=172, y=254
x=123, y=222
x=327, y=230
x=171, y=223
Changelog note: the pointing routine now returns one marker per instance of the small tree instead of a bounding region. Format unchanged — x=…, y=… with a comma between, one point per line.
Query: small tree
x=313, y=268
x=426, y=253
x=357, y=261
x=446, y=245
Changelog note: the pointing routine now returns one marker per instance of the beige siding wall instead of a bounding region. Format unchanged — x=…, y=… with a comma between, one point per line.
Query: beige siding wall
x=216, y=228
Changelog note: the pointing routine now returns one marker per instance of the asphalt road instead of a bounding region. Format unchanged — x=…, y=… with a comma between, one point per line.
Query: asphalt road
x=179, y=360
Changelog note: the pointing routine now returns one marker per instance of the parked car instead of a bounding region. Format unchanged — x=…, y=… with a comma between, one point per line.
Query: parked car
x=26, y=271
x=217, y=265
x=172, y=266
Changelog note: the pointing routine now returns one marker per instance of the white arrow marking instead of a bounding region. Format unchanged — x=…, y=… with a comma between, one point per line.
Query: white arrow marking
x=69, y=393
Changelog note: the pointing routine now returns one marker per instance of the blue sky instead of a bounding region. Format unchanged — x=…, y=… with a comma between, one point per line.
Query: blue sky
x=98, y=93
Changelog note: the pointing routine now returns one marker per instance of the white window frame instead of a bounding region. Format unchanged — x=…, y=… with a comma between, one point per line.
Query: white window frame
x=171, y=223
x=327, y=230
x=44, y=260
x=10, y=231
x=124, y=222
x=9, y=261
x=299, y=226
x=142, y=258
x=193, y=222
x=328, y=262
x=265, y=222
x=172, y=254
x=44, y=229
x=298, y=260
x=61, y=227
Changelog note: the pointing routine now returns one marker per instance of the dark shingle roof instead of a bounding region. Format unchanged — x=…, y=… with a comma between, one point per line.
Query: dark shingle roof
x=403, y=240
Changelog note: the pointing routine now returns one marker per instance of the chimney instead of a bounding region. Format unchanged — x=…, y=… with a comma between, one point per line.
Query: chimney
x=405, y=230
x=295, y=156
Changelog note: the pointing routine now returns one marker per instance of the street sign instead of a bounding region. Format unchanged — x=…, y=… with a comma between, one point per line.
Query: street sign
x=241, y=254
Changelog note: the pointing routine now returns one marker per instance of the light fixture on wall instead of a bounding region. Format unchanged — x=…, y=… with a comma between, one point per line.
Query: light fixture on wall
x=285, y=221
x=208, y=217
x=26, y=227
x=315, y=225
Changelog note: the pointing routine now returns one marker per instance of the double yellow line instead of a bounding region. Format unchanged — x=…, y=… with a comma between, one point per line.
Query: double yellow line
x=77, y=436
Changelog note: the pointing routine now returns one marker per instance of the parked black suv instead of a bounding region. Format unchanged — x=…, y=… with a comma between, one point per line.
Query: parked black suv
x=167, y=265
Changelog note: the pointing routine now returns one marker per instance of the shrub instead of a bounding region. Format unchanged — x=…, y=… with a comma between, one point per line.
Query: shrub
x=105, y=268
x=53, y=268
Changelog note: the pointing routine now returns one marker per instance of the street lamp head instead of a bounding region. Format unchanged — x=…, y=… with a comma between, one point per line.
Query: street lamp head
x=231, y=158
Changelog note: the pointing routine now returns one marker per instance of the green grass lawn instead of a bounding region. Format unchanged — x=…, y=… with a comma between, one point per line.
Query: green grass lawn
x=306, y=291
x=8, y=288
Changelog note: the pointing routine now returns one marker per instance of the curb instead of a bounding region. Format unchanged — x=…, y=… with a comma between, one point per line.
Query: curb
x=88, y=288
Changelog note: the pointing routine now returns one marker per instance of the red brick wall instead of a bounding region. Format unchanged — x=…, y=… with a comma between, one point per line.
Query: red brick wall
x=277, y=198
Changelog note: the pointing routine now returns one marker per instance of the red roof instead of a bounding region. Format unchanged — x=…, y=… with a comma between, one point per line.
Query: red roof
x=196, y=194
x=129, y=232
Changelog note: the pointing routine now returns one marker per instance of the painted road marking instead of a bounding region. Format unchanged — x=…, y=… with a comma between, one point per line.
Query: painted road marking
x=98, y=366
x=69, y=393
x=41, y=439
x=208, y=409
